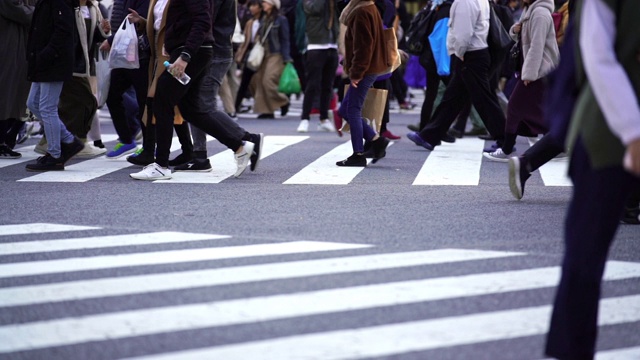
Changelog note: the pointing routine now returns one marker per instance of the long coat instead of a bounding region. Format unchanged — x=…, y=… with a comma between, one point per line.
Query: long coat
x=156, y=67
x=51, y=42
x=15, y=18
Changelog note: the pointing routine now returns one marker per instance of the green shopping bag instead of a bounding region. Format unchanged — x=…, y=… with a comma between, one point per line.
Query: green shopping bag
x=289, y=81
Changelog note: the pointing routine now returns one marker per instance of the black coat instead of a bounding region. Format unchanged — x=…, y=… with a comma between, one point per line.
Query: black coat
x=51, y=42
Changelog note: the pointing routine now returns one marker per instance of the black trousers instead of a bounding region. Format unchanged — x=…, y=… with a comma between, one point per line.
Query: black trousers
x=247, y=74
x=433, y=81
x=121, y=80
x=541, y=153
x=470, y=81
x=149, y=132
x=592, y=219
x=321, y=68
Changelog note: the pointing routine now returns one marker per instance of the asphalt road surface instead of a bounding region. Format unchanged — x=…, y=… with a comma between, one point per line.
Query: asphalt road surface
x=420, y=256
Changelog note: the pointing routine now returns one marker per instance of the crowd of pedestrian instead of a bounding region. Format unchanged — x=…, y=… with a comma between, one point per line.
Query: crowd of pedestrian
x=576, y=86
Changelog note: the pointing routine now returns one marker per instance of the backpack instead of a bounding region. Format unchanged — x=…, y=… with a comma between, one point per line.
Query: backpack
x=417, y=35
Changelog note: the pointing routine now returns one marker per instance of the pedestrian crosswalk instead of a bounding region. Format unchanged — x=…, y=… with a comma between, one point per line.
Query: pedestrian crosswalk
x=282, y=283
x=458, y=164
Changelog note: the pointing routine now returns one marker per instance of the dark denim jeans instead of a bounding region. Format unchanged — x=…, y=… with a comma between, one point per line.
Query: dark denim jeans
x=351, y=111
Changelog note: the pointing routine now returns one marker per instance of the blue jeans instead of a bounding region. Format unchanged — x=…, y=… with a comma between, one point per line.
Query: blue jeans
x=43, y=103
x=227, y=131
x=351, y=111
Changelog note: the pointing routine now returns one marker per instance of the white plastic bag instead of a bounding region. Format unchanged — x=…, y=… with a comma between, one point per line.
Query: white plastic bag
x=103, y=75
x=124, y=49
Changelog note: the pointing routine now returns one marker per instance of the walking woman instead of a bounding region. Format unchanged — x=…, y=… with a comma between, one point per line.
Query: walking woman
x=274, y=29
x=364, y=60
x=250, y=32
x=540, y=55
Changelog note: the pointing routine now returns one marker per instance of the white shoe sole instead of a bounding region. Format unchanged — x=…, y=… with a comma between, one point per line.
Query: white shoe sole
x=137, y=177
x=514, y=181
x=488, y=156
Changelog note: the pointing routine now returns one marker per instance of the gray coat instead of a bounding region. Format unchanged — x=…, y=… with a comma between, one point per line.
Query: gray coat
x=15, y=18
x=538, y=37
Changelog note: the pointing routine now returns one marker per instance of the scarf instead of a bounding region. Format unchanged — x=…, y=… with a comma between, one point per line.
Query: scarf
x=348, y=11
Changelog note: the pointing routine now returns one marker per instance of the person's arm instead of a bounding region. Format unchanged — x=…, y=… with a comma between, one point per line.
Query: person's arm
x=16, y=12
x=363, y=47
x=285, y=40
x=463, y=16
x=611, y=85
x=540, y=24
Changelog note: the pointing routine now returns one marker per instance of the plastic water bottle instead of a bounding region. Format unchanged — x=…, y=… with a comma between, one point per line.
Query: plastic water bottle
x=184, y=79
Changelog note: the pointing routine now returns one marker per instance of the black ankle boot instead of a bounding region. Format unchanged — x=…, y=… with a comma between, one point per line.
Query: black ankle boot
x=357, y=160
x=379, y=148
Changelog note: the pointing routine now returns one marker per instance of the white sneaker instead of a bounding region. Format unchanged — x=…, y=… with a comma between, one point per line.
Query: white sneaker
x=326, y=125
x=90, y=151
x=152, y=172
x=304, y=126
x=498, y=155
x=242, y=159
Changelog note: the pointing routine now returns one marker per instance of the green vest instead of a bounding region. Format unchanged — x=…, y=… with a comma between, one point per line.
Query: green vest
x=605, y=149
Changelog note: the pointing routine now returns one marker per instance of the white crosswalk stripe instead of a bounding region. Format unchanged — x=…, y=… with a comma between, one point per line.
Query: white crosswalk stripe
x=97, y=330
x=458, y=164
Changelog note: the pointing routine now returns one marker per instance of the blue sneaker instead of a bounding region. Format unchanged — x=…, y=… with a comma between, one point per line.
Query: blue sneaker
x=415, y=137
x=122, y=149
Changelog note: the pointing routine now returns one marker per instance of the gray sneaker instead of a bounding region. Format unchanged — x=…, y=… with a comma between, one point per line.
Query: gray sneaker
x=242, y=159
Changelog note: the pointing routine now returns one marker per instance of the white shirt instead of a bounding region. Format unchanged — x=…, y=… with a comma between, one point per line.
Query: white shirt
x=84, y=10
x=158, y=11
x=468, y=26
x=610, y=83
x=254, y=30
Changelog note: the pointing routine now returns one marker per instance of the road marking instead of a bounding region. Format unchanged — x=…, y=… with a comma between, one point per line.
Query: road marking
x=224, y=164
x=98, y=242
x=27, y=152
x=96, y=288
x=619, y=354
x=87, y=170
x=555, y=172
x=243, y=311
x=324, y=170
x=387, y=340
x=168, y=257
x=453, y=164
x=37, y=228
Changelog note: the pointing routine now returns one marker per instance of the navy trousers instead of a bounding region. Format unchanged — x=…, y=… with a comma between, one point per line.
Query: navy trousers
x=593, y=217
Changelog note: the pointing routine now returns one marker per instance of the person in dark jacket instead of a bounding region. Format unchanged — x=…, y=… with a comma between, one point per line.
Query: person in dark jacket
x=15, y=17
x=189, y=41
x=50, y=64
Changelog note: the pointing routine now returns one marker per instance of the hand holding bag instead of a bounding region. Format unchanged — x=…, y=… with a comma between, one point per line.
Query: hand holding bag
x=124, y=50
x=289, y=81
x=256, y=55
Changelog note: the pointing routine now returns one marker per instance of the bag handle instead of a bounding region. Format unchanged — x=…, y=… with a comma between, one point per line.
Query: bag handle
x=266, y=34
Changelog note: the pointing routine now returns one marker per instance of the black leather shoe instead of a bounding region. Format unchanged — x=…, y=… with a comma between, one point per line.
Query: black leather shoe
x=379, y=148
x=355, y=160
x=143, y=159
x=448, y=138
x=47, y=163
x=266, y=116
x=71, y=149
x=180, y=159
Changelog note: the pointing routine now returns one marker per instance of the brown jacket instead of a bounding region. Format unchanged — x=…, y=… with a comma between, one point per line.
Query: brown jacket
x=364, y=40
x=156, y=66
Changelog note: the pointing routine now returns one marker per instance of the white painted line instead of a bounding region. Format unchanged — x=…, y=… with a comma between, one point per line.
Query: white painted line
x=242, y=311
x=224, y=164
x=387, y=340
x=96, y=288
x=555, y=172
x=619, y=354
x=27, y=155
x=324, y=170
x=453, y=164
x=37, y=228
x=88, y=169
x=168, y=257
x=99, y=242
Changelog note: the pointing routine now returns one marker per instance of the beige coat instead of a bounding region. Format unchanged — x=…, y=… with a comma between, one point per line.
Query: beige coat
x=156, y=63
x=264, y=85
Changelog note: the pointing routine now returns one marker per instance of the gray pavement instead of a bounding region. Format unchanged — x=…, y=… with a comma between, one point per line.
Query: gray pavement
x=375, y=268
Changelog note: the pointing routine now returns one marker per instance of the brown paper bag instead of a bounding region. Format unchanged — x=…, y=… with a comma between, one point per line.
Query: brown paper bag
x=372, y=109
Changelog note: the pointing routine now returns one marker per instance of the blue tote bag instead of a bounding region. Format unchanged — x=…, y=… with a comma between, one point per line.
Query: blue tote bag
x=438, y=42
